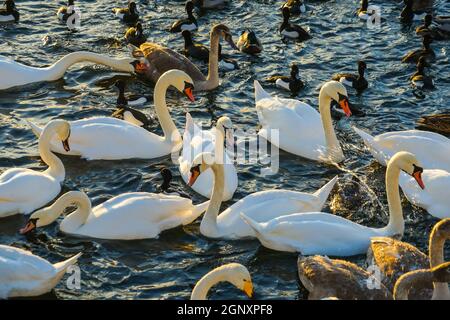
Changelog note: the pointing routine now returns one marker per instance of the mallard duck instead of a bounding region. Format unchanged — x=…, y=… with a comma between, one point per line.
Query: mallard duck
x=135, y=35
x=165, y=186
x=291, y=83
x=160, y=59
x=194, y=50
x=290, y=30
x=408, y=14
x=356, y=81
x=65, y=12
x=129, y=14
x=125, y=112
x=439, y=123
x=433, y=32
x=419, y=79
x=426, y=51
x=249, y=43
x=190, y=23
x=324, y=277
x=295, y=6
x=9, y=12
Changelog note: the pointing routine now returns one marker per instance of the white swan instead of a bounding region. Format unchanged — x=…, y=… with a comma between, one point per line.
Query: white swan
x=129, y=216
x=14, y=74
x=106, y=138
x=326, y=234
x=261, y=206
x=196, y=141
x=22, y=274
x=25, y=190
x=234, y=273
x=432, y=150
x=302, y=130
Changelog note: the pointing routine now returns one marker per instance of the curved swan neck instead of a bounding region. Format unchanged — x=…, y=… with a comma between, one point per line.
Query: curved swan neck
x=171, y=132
x=212, y=80
x=55, y=166
x=57, y=70
x=76, y=219
x=396, y=223
x=203, y=286
x=334, y=151
x=436, y=254
x=208, y=226
x=407, y=281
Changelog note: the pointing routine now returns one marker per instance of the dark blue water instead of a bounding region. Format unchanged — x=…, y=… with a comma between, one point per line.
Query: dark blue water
x=169, y=267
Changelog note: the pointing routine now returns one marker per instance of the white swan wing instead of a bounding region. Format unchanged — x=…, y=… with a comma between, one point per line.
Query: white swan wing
x=434, y=198
x=317, y=233
x=17, y=74
x=137, y=215
x=431, y=149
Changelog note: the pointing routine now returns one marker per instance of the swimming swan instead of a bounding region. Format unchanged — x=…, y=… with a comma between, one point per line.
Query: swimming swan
x=14, y=74
x=261, y=206
x=129, y=216
x=327, y=234
x=106, y=138
x=25, y=190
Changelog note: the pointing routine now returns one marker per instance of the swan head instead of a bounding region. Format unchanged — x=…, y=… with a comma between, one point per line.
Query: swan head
x=225, y=126
x=200, y=164
x=224, y=32
x=181, y=81
x=62, y=130
x=337, y=92
x=40, y=218
x=408, y=163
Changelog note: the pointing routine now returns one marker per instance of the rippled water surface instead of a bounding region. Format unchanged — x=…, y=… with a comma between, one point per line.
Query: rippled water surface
x=168, y=268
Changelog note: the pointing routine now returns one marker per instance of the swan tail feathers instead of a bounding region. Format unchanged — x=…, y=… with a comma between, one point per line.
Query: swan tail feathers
x=257, y=227
x=368, y=139
x=35, y=128
x=196, y=212
x=62, y=266
x=324, y=192
x=260, y=93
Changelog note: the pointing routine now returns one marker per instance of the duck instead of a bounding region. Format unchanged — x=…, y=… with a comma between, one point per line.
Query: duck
x=24, y=190
x=129, y=14
x=24, y=274
x=439, y=123
x=165, y=187
x=324, y=277
x=234, y=273
x=432, y=150
x=129, y=216
x=127, y=113
x=195, y=141
x=261, y=205
x=292, y=31
x=65, y=12
x=365, y=12
x=290, y=83
x=301, y=129
x=426, y=51
x=226, y=64
x=194, y=50
x=107, y=138
x=419, y=79
x=355, y=81
x=408, y=14
x=394, y=258
x=15, y=74
x=319, y=233
x=135, y=35
x=9, y=12
x=249, y=43
x=414, y=278
x=189, y=23
x=434, y=32
x=294, y=6
x=160, y=59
